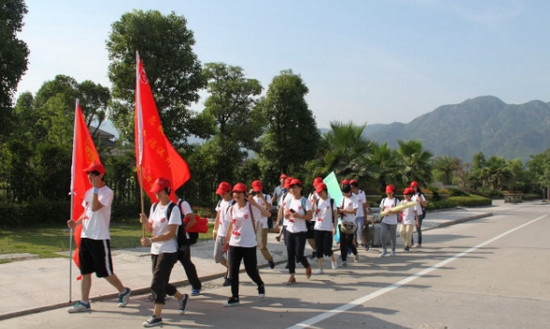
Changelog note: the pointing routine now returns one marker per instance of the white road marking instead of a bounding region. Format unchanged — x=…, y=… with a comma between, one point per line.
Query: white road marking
x=323, y=316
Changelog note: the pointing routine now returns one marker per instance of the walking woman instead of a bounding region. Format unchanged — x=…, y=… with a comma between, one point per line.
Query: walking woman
x=297, y=211
x=409, y=219
x=325, y=226
x=421, y=209
x=163, y=221
x=348, y=211
x=243, y=224
x=389, y=222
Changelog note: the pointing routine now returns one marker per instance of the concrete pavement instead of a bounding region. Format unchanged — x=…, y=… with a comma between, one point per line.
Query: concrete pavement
x=36, y=285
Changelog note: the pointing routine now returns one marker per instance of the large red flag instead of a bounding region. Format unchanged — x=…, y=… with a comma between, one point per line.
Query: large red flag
x=155, y=156
x=84, y=153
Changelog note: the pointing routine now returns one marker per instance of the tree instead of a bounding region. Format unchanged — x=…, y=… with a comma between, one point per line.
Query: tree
x=292, y=137
x=384, y=166
x=539, y=169
x=230, y=108
x=445, y=168
x=13, y=56
x=165, y=46
x=416, y=161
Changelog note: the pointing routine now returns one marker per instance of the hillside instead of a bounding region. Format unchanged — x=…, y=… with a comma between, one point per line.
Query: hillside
x=484, y=124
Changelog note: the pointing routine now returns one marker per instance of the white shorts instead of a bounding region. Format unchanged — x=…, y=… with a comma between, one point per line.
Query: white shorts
x=218, y=249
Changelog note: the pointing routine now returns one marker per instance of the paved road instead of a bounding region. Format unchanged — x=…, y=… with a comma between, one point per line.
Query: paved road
x=479, y=274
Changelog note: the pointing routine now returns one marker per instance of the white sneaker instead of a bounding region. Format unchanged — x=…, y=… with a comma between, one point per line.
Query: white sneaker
x=124, y=298
x=319, y=271
x=334, y=264
x=384, y=253
x=356, y=258
x=80, y=307
x=344, y=264
x=392, y=253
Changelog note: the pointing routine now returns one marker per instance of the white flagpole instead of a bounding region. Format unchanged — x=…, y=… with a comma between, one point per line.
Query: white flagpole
x=72, y=201
x=139, y=129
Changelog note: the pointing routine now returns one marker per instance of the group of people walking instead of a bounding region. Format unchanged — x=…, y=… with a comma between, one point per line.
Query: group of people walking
x=240, y=228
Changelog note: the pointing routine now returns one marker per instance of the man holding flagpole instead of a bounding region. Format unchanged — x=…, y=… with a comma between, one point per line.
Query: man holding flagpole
x=95, y=250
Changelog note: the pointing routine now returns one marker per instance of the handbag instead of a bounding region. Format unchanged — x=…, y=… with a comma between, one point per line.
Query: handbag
x=348, y=227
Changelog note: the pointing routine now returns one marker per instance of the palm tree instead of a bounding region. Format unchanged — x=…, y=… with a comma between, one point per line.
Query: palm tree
x=445, y=167
x=383, y=165
x=416, y=161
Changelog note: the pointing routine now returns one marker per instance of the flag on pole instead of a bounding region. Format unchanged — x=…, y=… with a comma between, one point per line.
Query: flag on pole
x=84, y=153
x=155, y=156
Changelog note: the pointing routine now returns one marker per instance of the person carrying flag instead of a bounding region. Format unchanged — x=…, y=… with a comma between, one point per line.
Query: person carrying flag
x=95, y=249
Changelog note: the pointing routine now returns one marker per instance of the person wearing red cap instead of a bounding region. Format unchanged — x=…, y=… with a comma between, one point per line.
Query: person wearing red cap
x=279, y=190
x=220, y=226
x=362, y=209
x=244, y=221
x=389, y=222
x=297, y=211
x=286, y=197
x=409, y=220
x=326, y=217
x=348, y=211
x=162, y=222
x=95, y=249
x=263, y=200
x=419, y=197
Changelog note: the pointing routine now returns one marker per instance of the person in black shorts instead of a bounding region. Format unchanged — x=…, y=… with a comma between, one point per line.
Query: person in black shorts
x=95, y=249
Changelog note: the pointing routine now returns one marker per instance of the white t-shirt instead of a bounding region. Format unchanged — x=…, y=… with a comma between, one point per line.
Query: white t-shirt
x=295, y=225
x=361, y=200
x=263, y=219
x=95, y=224
x=160, y=225
x=244, y=234
x=422, y=198
x=323, y=215
x=185, y=208
x=284, y=201
x=408, y=214
x=385, y=204
x=348, y=204
x=223, y=216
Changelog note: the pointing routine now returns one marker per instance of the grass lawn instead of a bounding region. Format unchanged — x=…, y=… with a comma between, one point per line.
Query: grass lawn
x=48, y=241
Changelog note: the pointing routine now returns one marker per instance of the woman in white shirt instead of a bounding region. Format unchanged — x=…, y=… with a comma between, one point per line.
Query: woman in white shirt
x=389, y=222
x=163, y=226
x=325, y=226
x=243, y=224
x=347, y=211
x=409, y=220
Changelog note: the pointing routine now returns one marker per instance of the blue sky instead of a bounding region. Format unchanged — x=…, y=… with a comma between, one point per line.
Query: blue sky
x=363, y=60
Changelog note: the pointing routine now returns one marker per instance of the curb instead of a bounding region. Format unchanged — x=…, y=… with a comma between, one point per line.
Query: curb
x=460, y=220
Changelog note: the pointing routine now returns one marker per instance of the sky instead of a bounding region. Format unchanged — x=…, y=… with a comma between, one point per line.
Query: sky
x=365, y=61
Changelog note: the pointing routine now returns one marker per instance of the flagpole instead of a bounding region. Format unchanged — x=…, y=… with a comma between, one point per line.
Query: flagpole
x=72, y=202
x=139, y=129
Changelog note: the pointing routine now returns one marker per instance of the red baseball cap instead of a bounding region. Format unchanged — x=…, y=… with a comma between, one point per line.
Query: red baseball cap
x=223, y=187
x=408, y=190
x=414, y=183
x=239, y=187
x=317, y=181
x=345, y=182
x=320, y=187
x=160, y=184
x=353, y=181
x=295, y=181
x=390, y=188
x=283, y=176
x=257, y=186
x=287, y=182
x=95, y=166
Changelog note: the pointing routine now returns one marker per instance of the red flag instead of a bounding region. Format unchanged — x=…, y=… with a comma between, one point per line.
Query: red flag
x=84, y=153
x=155, y=156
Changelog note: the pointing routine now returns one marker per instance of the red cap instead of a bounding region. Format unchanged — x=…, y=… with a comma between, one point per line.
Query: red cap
x=353, y=181
x=239, y=187
x=317, y=181
x=408, y=190
x=283, y=176
x=295, y=181
x=413, y=184
x=223, y=187
x=287, y=182
x=257, y=186
x=345, y=182
x=320, y=187
x=95, y=166
x=160, y=184
x=390, y=188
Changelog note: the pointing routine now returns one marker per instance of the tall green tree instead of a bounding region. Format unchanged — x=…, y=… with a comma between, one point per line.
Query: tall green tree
x=384, y=166
x=292, y=137
x=539, y=170
x=416, y=162
x=13, y=57
x=165, y=45
x=445, y=168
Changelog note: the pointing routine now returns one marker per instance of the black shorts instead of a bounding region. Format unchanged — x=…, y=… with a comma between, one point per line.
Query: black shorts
x=310, y=225
x=95, y=256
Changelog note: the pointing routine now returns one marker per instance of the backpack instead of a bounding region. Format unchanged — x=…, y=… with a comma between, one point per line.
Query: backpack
x=181, y=236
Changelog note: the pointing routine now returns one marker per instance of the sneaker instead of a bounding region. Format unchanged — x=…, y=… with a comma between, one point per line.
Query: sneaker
x=232, y=302
x=334, y=264
x=319, y=271
x=291, y=281
x=153, y=321
x=383, y=254
x=356, y=258
x=183, y=303
x=261, y=291
x=344, y=263
x=195, y=292
x=226, y=282
x=271, y=264
x=80, y=307
x=407, y=249
x=392, y=253
x=124, y=297
x=308, y=271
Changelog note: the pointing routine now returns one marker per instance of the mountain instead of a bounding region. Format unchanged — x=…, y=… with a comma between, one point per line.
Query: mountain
x=485, y=124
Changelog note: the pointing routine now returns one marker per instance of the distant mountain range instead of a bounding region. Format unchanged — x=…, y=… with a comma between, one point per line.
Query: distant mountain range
x=485, y=124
